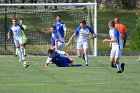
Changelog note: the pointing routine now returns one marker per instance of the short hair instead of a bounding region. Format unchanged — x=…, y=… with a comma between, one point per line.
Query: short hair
x=83, y=21
x=58, y=16
x=21, y=19
x=14, y=19
x=50, y=51
x=53, y=26
x=112, y=23
x=117, y=19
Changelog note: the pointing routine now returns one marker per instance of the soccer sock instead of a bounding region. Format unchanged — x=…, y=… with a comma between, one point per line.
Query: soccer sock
x=16, y=51
x=119, y=67
x=86, y=58
x=24, y=51
x=19, y=53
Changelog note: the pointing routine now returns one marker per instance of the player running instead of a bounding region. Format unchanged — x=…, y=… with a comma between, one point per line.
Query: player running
x=82, y=34
x=57, y=40
x=24, y=32
x=18, y=38
x=60, y=58
x=117, y=46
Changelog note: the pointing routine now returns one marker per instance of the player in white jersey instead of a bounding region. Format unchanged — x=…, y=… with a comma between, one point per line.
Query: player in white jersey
x=82, y=34
x=116, y=44
x=16, y=29
x=57, y=40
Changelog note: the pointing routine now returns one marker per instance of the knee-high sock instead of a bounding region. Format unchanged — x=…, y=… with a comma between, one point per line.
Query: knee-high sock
x=19, y=53
x=22, y=53
x=119, y=66
x=16, y=51
x=86, y=58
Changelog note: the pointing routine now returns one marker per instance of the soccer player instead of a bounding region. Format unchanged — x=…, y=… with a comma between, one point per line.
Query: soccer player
x=117, y=46
x=24, y=32
x=57, y=40
x=18, y=38
x=60, y=58
x=82, y=34
x=122, y=29
x=61, y=27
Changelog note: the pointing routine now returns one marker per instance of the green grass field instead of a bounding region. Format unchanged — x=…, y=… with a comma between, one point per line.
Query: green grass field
x=98, y=77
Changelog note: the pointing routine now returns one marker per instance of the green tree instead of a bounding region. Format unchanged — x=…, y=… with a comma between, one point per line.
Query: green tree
x=135, y=35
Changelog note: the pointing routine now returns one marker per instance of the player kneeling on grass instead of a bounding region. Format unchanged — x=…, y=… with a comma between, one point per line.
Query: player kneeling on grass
x=117, y=46
x=82, y=34
x=60, y=58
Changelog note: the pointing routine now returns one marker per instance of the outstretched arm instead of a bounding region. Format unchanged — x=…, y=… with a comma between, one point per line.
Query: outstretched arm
x=72, y=37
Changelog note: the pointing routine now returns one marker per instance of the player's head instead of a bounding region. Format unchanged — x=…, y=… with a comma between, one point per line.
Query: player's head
x=21, y=20
x=50, y=52
x=83, y=23
x=116, y=20
x=58, y=18
x=53, y=29
x=14, y=21
x=111, y=24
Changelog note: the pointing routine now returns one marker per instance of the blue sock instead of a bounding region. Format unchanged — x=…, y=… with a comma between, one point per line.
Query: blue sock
x=78, y=65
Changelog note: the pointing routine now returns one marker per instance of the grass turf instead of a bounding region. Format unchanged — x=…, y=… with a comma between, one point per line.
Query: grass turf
x=98, y=77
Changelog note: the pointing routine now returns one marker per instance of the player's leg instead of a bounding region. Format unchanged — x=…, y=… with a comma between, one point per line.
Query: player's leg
x=25, y=54
x=16, y=53
x=21, y=47
x=79, y=49
x=60, y=46
x=85, y=48
x=18, y=47
x=112, y=58
x=120, y=66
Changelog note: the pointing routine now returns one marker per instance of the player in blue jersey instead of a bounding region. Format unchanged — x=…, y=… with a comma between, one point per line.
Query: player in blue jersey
x=117, y=45
x=60, y=58
x=16, y=29
x=61, y=27
x=82, y=34
x=57, y=40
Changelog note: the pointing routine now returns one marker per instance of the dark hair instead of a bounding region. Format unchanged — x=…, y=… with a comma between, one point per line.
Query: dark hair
x=112, y=23
x=83, y=21
x=58, y=16
x=50, y=51
x=21, y=19
x=53, y=26
x=14, y=19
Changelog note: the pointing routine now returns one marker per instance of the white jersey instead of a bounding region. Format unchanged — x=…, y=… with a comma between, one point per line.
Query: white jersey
x=114, y=33
x=17, y=31
x=83, y=34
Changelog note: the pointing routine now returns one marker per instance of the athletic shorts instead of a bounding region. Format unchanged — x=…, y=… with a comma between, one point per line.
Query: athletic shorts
x=117, y=53
x=66, y=62
x=60, y=45
x=82, y=45
x=18, y=41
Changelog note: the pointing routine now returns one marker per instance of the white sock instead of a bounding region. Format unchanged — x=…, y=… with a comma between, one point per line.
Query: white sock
x=86, y=58
x=22, y=53
x=19, y=53
x=119, y=67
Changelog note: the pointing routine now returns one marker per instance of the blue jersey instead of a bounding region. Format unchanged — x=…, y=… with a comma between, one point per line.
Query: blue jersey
x=114, y=33
x=60, y=61
x=61, y=27
x=56, y=37
x=17, y=31
x=83, y=34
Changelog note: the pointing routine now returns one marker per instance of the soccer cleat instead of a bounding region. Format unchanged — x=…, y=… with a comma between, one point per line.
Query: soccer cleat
x=23, y=59
x=20, y=60
x=119, y=72
x=16, y=55
x=138, y=60
x=113, y=65
x=86, y=64
x=122, y=66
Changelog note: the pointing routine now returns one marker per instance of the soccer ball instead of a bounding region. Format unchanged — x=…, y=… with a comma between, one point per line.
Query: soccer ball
x=26, y=64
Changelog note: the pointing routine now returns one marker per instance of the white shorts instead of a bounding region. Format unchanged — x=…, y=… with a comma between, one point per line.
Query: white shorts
x=60, y=45
x=117, y=53
x=18, y=41
x=82, y=45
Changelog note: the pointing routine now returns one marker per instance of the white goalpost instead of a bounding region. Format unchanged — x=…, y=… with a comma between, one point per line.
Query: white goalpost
x=46, y=12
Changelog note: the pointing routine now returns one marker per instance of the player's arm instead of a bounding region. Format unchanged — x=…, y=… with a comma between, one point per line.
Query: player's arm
x=56, y=44
x=65, y=31
x=93, y=36
x=47, y=62
x=110, y=40
x=72, y=37
x=8, y=35
x=125, y=34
